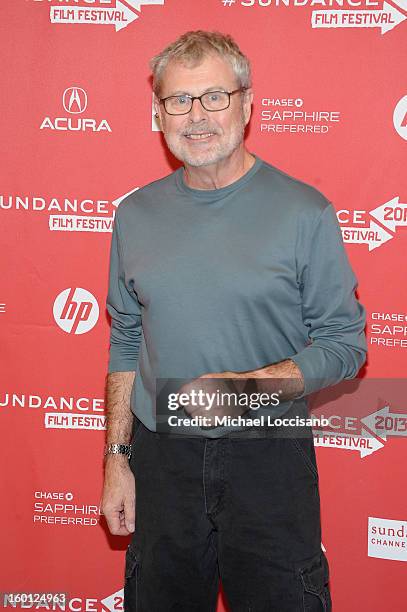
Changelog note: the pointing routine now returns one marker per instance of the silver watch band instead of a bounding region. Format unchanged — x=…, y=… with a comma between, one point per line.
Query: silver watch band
x=121, y=449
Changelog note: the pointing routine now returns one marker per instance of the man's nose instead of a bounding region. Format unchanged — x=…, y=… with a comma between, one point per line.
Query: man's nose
x=197, y=112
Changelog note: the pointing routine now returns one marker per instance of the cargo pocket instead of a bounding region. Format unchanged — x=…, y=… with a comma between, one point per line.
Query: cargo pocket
x=314, y=578
x=131, y=580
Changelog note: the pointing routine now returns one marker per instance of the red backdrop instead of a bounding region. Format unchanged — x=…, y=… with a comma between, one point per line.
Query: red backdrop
x=77, y=134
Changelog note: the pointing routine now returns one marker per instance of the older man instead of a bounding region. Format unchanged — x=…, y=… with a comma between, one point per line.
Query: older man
x=227, y=268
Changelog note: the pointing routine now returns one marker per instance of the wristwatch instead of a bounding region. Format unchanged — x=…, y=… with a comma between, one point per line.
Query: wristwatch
x=118, y=449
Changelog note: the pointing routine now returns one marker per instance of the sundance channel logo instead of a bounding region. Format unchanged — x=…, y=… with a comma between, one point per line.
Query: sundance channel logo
x=387, y=539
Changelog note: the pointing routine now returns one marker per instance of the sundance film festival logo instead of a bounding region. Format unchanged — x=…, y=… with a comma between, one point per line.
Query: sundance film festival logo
x=75, y=102
x=375, y=227
x=76, y=311
x=69, y=214
x=364, y=415
x=385, y=19
x=335, y=16
x=59, y=412
x=383, y=423
x=102, y=12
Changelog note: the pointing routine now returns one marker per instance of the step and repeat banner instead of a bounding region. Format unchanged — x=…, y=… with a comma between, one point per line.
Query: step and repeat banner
x=77, y=135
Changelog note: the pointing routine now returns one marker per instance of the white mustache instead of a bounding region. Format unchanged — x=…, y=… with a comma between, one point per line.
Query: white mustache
x=206, y=131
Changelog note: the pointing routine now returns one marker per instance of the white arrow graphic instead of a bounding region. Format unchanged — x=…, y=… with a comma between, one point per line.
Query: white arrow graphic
x=391, y=213
x=117, y=201
x=120, y=16
x=386, y=19
x=364, y=443
x=374, y=235
x=110, y=602
x=137, y=4
x=385, y=423
x=401, y=3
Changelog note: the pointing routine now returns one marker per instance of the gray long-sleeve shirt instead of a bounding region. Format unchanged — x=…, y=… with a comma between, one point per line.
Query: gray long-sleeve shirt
x=230, y=279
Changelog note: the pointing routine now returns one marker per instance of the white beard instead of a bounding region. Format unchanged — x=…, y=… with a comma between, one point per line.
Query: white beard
x=213, y=153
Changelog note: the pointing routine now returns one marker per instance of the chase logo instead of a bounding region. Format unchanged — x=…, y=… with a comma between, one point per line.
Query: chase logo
x=75, y=100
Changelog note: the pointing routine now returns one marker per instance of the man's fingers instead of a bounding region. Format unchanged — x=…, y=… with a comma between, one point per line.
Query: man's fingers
x=129, y=513
x=115, y=524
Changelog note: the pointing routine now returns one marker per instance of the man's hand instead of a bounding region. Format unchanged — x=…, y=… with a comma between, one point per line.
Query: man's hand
x=284, y=375
x=211, y=391
x=119, y=494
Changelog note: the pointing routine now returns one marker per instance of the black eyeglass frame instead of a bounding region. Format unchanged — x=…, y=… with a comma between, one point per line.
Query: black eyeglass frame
x=192, y=98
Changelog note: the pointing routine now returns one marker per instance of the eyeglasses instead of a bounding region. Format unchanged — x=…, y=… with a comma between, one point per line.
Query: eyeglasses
x=211, y=101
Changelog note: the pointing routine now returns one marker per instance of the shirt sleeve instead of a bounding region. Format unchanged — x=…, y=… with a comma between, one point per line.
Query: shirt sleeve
x=125, y=311
x=335, y=318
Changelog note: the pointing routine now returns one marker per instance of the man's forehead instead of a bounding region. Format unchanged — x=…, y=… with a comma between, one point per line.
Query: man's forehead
x=183, y=76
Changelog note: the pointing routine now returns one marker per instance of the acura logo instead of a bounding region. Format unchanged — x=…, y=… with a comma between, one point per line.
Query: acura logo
x=75, y=100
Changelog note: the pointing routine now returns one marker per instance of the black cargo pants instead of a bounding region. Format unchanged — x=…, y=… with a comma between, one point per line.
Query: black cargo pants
x=245, y=511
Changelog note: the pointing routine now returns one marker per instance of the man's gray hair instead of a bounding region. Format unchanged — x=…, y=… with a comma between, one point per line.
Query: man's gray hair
x=192, y=47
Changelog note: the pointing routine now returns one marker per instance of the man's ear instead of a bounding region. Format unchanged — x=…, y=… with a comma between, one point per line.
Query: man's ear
x=247, y=104
x=157, y=107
